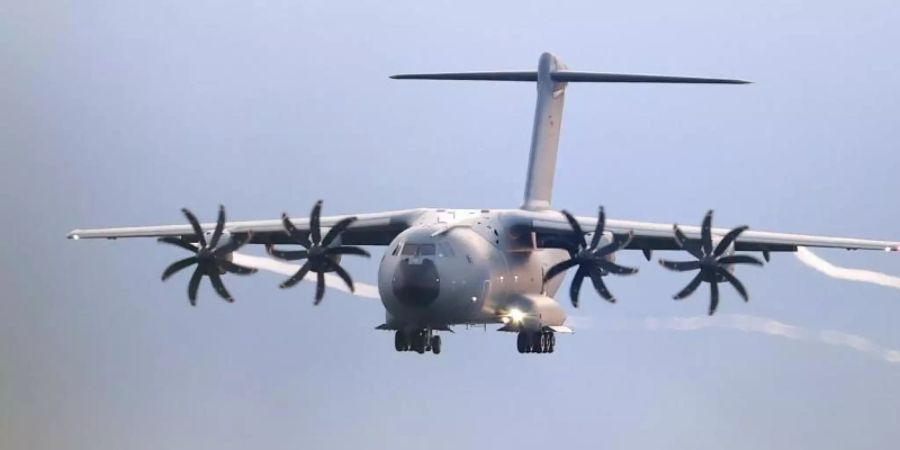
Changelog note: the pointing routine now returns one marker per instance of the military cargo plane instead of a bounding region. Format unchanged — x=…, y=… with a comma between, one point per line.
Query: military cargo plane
x=449, y=267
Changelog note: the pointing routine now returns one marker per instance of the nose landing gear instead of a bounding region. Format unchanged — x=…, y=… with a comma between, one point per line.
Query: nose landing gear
x=536, y=342
x=419, y=341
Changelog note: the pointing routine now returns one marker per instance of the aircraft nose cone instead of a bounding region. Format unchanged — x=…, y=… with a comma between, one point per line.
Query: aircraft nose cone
x=417, y=283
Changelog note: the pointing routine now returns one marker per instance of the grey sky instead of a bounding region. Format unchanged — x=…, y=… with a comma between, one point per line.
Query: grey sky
x=119, y=113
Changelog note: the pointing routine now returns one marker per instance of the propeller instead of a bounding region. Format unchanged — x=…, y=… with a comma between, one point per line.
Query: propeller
x=211, y=259
x=713, y=263
x=321, y=253
x=593, y=261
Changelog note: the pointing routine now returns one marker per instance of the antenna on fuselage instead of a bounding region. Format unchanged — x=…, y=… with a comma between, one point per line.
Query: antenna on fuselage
x=552, y=77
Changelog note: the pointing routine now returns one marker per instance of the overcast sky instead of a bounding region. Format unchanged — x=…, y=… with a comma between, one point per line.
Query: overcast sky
x=120, y=113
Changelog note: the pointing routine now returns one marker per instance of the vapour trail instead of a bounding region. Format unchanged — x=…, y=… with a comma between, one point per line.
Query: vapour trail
x=772, y=327
x=866, y=276
x=285, y=268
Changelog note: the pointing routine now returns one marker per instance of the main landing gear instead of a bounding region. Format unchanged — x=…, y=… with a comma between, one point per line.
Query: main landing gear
x=419, y=341
x=536, y=342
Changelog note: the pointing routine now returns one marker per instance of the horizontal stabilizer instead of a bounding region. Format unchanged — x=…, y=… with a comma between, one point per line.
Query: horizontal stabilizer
x=565, y=76
x=576, y=77
x=473, y=76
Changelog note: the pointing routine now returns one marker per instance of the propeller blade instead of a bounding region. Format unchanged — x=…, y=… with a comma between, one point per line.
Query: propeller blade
x=616, y=269
x=220, y=227
x=575, y=288
x=286, y=255
x=734, y=282
x=295, y=278
x=178, y=243
x=687, y=245
x=314, y=223
x=559, y=268
x=713, y=296
x=347, y=250
x=237, y=241
x=576, y=228
x=320, y=287
x=336, y=230
x=194, y=284
x=680, y=266
x=231, y=267
x=740, y=259
x=600, y=287
x=616, y=245
x=598, y=231
x=343, y=274
x=296, y=235
x=195, y=224
x=728, y=239
x=690, y=288
x=177, y=266
x=217, y=284
x=706, y=233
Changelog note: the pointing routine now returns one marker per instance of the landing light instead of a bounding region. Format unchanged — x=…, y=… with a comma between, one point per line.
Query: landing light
x=516, y=315
x=75, y=237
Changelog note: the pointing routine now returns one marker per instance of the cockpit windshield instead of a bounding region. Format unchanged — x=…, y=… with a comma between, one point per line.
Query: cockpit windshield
x=413, y=249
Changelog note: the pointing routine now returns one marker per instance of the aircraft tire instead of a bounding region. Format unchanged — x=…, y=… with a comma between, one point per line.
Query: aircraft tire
x=522, y=343
x=537, y=340
x=436, y=345
x=401, y=343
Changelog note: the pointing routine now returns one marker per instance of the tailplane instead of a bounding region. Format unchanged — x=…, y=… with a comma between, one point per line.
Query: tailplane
x=552, y=77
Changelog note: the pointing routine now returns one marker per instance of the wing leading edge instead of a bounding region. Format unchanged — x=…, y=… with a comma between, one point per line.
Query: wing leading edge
x=369, y=229
x=660, y=236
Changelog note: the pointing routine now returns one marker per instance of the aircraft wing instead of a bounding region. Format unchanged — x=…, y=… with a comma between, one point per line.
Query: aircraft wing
x=369, y=229
x=550, y=226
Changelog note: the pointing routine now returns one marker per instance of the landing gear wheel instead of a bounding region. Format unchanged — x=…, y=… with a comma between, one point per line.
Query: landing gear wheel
x=537, y=340
x=436, y=345
x=551, y=342
x=522, y=343
x=418, y=342
x=401, y=343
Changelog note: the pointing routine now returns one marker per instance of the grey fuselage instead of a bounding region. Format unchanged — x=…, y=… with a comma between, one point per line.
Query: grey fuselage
x=466, y=267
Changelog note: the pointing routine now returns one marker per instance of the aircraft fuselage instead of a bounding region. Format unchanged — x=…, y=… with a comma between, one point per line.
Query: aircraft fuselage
x=463, y=267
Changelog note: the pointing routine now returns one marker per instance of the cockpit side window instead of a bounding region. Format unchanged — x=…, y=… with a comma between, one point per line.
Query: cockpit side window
x=396, y=249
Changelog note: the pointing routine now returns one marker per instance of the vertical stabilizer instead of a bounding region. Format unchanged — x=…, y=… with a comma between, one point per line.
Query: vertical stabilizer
x=545, y=134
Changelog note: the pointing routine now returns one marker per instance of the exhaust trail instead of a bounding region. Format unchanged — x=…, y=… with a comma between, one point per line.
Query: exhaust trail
x=865, y=276
x=284, y=268
x=771, y=327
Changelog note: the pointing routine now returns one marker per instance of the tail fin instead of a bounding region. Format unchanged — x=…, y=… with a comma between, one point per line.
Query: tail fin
x=552, y=78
